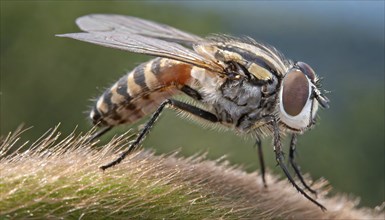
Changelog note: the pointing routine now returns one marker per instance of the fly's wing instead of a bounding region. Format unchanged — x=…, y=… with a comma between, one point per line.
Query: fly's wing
x=146, y=45
x=125, y=33
x=132, y=25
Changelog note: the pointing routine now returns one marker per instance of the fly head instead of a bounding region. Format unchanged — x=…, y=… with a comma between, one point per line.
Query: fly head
x=299, y=97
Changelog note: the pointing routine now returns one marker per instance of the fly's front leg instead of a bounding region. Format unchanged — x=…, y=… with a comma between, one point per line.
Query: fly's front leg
x=295, y=166
x=168, y=103
x=280, y=160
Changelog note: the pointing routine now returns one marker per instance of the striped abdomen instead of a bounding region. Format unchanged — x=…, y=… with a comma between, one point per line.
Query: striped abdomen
x=140, y=91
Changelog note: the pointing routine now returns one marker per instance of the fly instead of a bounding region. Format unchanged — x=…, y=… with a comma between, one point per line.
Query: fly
x=240, y=84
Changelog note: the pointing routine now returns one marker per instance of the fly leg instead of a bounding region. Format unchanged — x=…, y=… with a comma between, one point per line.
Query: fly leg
x=258, y=144
x=167, y=103
x=280, y=160
x=295, y=166
x=99, y=133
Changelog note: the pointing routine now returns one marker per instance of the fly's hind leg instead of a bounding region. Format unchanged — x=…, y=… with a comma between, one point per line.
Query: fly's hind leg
x=295, y=166
x=167, y=103
x=258, y=144
x=99, y=133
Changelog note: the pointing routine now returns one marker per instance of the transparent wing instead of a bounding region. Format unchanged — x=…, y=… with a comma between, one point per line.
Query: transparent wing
x=140, y=36
x=132, y=25
x=146, y=45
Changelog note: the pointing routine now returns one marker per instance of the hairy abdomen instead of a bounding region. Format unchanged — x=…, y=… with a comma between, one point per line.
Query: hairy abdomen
x=140, y=91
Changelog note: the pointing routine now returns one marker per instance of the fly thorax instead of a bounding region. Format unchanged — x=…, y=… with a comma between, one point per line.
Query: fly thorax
x=206, y=83
x=241, y=104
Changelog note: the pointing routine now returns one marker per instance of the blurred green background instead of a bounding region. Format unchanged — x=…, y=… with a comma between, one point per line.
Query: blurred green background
x=46, y=80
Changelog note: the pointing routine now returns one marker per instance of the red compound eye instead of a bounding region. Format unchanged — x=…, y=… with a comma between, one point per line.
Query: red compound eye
x=295, y=92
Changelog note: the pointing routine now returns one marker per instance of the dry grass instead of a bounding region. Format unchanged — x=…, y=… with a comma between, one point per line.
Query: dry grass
x=61, y=179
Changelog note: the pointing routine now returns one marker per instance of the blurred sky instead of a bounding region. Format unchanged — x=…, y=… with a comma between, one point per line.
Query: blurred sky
x=367, y=15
